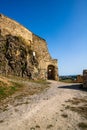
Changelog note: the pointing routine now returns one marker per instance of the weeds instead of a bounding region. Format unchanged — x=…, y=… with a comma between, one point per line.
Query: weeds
x=32, y=128
x=49, y=126
x=82, y=125
x=20, y=89
x=21, y=103
x=76, y=101
x=37, y=126
x=80, y=110
x=1, y=121
x=64, y=115
x=6, y=90
x=79, y=105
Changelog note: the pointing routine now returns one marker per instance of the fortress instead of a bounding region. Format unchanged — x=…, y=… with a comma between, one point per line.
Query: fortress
x=22, y=53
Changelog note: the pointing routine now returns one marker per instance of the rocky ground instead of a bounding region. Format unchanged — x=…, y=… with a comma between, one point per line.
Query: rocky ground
x=60, y=107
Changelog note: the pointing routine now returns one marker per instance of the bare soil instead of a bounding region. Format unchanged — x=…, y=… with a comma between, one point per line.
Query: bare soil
x=62, y=106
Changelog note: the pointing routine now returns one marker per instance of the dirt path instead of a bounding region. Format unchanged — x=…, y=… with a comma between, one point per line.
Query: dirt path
x=45, y=111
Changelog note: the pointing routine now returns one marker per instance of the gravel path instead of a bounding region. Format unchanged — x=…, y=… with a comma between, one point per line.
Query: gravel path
x=45, y=111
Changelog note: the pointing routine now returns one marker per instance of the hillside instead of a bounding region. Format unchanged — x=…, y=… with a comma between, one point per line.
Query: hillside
x=13, y=87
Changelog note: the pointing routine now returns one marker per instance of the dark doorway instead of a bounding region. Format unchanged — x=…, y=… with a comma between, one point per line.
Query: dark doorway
x=51, y=72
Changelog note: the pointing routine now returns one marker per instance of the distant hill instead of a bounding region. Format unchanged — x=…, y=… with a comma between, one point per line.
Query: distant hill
x=68, y=78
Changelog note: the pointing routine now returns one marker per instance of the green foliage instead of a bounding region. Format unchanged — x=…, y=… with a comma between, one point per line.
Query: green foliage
x=67, y=80
x=2, y=91
x=23, y=67
x=6, y=91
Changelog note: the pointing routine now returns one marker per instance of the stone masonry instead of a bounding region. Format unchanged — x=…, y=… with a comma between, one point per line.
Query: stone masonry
x=23, y=53
x=85, y=78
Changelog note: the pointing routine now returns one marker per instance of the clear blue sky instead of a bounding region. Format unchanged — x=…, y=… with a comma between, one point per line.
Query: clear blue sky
x=63, y=23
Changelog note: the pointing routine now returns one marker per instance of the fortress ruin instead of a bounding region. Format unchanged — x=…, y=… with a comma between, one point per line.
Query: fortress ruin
x=22, y=53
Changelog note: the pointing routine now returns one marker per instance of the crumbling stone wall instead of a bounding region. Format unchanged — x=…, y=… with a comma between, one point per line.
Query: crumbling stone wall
x=39, y=45
x=79, y=79
x=9, y=26
x=15, y=57
x=85, y=78
x=22, y=53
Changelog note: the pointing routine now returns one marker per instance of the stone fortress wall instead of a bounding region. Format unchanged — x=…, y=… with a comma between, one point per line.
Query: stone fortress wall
x=9, y=26
x=43, y=66
x=39, y=45
x=84, y=78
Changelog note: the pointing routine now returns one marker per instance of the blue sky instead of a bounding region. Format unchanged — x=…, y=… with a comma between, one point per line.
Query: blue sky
x=63, y=23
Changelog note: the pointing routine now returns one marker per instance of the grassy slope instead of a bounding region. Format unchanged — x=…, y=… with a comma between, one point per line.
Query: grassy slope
x=20, y=86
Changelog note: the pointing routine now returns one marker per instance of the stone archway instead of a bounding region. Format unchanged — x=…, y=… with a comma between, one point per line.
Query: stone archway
x=51, y=72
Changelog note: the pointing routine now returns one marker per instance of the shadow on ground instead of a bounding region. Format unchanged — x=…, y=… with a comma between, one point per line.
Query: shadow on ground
x=76, y=87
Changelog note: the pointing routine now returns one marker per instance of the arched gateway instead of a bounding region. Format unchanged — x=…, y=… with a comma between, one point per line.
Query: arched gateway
x=51, y=72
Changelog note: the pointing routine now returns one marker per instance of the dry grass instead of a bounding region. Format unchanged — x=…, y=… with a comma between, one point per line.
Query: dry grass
x=17, y=90
x=83, y=125
x=37, y=126
x=49, y=126
x=78, y=105
x=1, y=121
x=32, y=128
x=76, y=101
x=7, y=90
x=64, y=115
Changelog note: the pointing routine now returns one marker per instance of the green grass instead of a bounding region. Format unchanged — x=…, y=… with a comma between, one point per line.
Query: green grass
x=67, y=80
x=6, y=90
x=21, y=88
x=27, y=79
x=44, y=82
